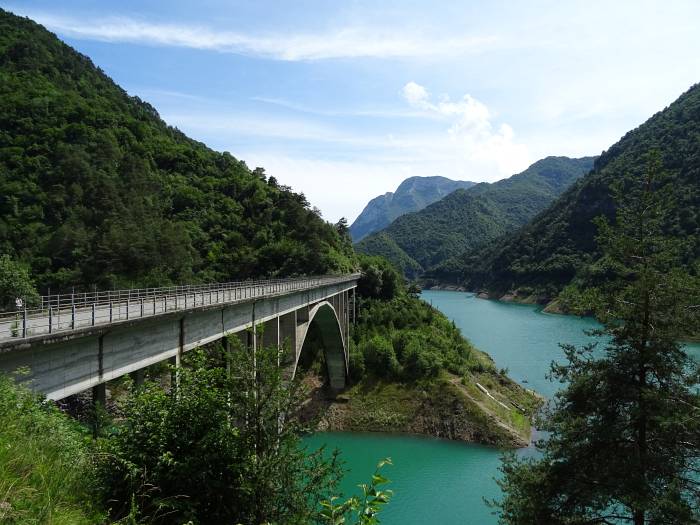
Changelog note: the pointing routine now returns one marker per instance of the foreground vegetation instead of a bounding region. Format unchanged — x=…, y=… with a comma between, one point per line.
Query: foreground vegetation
x=46, y=463
x=222, y=447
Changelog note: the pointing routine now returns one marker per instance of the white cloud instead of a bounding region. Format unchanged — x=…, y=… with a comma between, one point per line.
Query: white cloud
x=472, y=136
x=229, y=124
x=459, y=140
x=349, y=42
x=416, y=95
x=372, y=112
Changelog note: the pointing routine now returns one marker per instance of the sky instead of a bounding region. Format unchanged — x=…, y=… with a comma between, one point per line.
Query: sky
x=342, y=100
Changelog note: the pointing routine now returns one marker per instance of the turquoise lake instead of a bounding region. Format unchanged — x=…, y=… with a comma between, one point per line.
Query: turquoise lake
x=444, y=483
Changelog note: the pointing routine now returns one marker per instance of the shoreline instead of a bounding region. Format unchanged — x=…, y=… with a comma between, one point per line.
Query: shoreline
x=446, y=407
x=548, y=306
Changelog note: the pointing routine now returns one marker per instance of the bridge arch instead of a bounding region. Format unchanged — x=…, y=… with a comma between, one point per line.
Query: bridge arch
x=325, y=317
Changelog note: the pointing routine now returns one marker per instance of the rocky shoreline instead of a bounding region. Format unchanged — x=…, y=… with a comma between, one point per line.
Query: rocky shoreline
x=444, y=408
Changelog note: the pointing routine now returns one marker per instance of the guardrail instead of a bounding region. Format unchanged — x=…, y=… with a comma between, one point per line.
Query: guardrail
x=66, y=312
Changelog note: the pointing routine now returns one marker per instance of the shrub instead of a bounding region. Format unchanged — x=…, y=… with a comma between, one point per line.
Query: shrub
x=380, y=357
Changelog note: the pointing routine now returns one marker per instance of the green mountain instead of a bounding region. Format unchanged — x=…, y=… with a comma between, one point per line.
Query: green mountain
x=469, y=218
x=559, y=245
x=413, y=194
x=96, y=189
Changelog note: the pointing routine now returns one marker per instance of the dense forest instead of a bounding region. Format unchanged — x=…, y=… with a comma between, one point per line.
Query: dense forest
x=468, y=218
x=97, y=190
x=413, y=194
x=559, y=246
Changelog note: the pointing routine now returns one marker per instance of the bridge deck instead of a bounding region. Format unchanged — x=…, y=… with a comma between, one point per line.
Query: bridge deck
x=69, y=312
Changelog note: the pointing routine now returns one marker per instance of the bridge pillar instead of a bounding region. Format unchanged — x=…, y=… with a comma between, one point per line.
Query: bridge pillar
x=302, y=326
x=271, y=333
x=99, y=394
x=138, y=376
x=288, y=336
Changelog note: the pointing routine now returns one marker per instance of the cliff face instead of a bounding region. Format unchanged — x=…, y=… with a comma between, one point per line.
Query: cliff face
x=413, y=194
x=468, y=218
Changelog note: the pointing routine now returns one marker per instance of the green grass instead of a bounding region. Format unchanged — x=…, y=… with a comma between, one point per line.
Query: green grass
x=45, y=463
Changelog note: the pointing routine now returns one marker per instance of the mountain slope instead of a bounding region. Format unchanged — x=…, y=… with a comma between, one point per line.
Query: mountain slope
x=413, y=194
x=560, y=244
x=468, y=218
x=97, y=189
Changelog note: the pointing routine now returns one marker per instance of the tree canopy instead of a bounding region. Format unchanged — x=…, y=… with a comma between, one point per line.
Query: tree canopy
x=97, y=190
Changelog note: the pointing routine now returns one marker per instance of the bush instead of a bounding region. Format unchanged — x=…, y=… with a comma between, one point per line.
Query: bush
x=419, y=362
x=221, y=448
x=380, y=357
x=357, y=363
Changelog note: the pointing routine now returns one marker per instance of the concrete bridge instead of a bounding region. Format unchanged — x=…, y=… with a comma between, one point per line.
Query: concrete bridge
x=76, y=342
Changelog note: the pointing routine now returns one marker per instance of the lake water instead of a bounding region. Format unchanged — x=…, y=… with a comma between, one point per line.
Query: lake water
x=439, y=482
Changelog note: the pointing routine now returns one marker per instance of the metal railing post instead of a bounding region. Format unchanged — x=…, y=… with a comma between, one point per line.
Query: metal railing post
x=141, y=306
x=93, y=315
x=72, y=316
x=50, y=318
x=24, y=322
x=111, y=312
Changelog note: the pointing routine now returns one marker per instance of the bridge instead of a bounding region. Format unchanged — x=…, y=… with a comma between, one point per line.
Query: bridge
x=74, y=342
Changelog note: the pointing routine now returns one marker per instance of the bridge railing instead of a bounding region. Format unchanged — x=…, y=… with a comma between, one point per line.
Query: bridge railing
x=67, y=312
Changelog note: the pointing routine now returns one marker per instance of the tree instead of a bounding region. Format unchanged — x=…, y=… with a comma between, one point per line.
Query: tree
x=15, y=282
x=379, y=278
x=624, y=442
x=342, y=227
x=223, y=447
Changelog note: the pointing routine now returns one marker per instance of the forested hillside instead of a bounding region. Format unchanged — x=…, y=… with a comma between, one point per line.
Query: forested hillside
x=466, y=219
x=559, y=245
x=96, y=189
x=413, y=194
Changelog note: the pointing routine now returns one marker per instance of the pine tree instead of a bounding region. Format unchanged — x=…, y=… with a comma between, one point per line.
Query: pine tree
x=623, y=441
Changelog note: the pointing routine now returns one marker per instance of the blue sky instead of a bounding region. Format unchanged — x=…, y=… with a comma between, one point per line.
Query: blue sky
x=343, y=100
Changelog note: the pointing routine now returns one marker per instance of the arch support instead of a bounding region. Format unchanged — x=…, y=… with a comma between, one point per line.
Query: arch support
x=325, y=317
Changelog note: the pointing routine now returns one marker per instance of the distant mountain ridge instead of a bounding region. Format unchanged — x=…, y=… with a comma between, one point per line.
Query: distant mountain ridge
x=413, y=194
x=558, y=247
x=471, y=217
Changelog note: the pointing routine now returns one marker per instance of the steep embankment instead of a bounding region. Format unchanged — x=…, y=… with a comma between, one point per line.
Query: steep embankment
x=413, y=371
x=447, y=407
x=97, y=189
x=413, y=194
x=558, y=247
x=466, y=219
